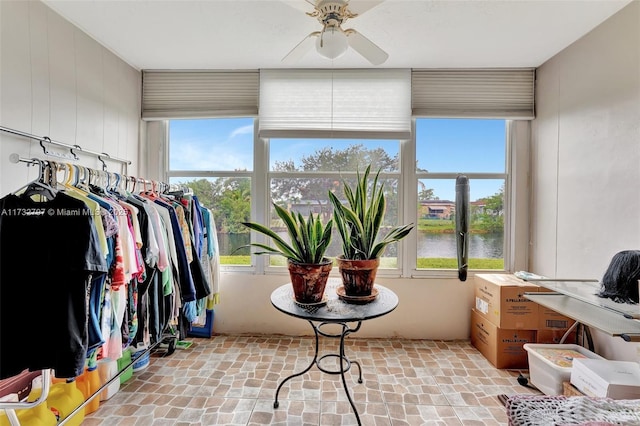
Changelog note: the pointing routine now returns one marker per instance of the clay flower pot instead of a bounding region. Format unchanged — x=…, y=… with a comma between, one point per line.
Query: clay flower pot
x=309, y=280
x=358, y=276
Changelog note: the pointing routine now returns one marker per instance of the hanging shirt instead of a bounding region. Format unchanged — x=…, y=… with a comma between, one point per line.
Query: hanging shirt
x=112, y=229
x=198, y=225
x=97, y=217
x=187, y=288
x=185, y=230
x=212, y=256
x=48, y=251
x=150, y=248
x=159, y=231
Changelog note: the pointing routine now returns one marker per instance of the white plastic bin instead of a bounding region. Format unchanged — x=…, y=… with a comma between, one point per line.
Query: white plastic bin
x=550, y=364
x=108, y=369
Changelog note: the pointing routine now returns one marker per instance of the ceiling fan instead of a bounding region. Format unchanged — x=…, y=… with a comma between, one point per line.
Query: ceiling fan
x=332, y=41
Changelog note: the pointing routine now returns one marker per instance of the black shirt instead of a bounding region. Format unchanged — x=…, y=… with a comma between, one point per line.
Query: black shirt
x=48, y=254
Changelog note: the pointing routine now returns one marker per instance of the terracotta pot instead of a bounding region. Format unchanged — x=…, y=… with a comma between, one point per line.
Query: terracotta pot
x=309, y=280
x=358, y=276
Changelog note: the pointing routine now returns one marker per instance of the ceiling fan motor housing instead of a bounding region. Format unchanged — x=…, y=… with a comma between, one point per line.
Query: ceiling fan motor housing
x=333, y=12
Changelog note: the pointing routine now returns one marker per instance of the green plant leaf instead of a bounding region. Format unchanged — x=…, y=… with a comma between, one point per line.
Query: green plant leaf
x=360, y=218
x=309, y=240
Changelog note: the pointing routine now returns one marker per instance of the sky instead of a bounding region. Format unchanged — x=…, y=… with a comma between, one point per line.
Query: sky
x=443, y=145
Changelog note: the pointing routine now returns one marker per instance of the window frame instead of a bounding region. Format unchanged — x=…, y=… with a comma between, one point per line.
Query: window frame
x=168, y=173
x=261, y=262
x=516, y=201
x=412, y=248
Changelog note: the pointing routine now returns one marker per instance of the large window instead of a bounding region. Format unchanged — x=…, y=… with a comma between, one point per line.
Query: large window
x=214, y=159
x=303, y=171
x=446, y=148
x=238, y=176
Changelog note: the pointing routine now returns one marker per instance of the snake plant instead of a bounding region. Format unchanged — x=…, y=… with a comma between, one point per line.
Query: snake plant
x=359, y=219
x=309, y=238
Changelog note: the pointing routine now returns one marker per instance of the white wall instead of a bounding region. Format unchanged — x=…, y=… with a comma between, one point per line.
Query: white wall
x=56, y=81
x=427, y=309
x=586, y=156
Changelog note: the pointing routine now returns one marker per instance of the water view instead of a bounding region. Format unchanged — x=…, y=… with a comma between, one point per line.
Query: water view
x=481, y=246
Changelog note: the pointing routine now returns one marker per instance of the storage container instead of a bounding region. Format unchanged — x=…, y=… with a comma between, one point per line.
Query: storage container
x=204, y=330
x=550, y=364
x=63, y=398
x=140, y=360
x=108, y=369
x=88, y=383
x=124, y=364
x=602, y=378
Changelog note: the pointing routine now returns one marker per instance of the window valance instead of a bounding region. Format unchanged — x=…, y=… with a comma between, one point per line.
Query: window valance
x=349, y=103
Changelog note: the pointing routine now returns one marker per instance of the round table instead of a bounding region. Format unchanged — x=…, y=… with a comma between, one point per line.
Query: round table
x=333, y=310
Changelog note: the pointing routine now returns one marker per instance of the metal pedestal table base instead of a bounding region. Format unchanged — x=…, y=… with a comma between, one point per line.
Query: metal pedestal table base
x=345, y=363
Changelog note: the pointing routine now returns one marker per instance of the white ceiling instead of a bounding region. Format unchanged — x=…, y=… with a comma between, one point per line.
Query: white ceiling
x=254, y=34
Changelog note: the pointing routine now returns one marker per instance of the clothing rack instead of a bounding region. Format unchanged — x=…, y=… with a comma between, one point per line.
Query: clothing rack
x=152, y=184
x=144, y=184
x=72, y=148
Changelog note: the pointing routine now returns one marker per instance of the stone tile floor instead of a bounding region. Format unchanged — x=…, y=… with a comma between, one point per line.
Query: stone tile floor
x=232, y=380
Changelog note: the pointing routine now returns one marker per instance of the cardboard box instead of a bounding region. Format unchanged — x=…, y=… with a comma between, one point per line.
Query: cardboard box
x=500, y=299
x=555, y=336
x=604, y=378
x=548, y=319
x=501, y=347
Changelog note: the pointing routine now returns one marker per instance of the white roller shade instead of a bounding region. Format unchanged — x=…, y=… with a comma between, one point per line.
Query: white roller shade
x=199, y=94
x=348, y=103
x=475, y=93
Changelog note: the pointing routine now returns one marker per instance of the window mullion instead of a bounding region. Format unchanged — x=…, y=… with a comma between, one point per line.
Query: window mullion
x=408, y=203
x=260, y=191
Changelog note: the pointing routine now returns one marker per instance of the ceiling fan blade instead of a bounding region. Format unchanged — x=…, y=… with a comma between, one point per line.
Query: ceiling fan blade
x=301, y=5
x=366, y=47
x=361, y=6
x=301, y=48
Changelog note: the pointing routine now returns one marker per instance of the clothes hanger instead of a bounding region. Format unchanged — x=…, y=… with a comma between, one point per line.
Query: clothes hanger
x=84, y=180
x=67, y=175
x=52, y=179
x=148, y=193
x=176, y=191
x=118, y=185
x=73, y=173
x=95, y=185
x=114, y=187
x=38, y=190
x=122, y=183
x=133, y=181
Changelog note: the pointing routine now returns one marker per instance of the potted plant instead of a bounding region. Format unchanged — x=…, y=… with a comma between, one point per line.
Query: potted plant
x=358, y=222
x=308, y=267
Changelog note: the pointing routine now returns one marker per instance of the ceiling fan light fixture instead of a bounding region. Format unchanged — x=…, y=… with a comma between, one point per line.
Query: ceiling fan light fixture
x=332, y=42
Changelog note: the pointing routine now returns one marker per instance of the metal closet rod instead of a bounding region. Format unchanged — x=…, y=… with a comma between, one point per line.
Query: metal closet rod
x=155, y=185
x=71, y=148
